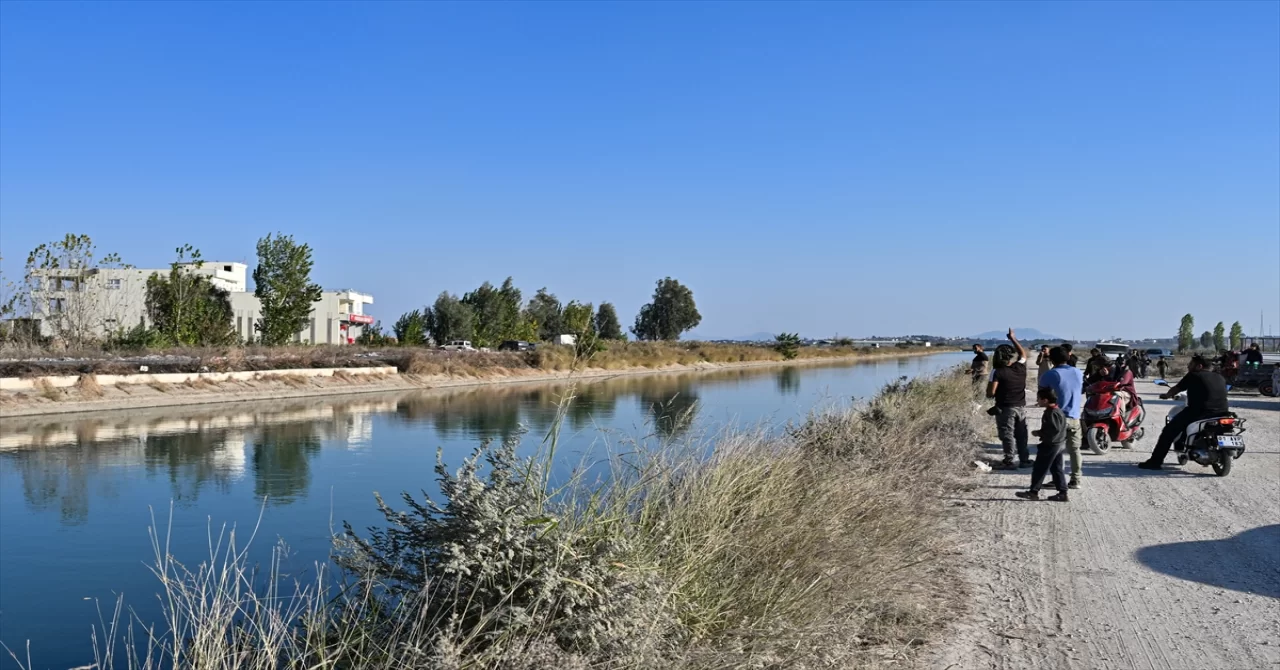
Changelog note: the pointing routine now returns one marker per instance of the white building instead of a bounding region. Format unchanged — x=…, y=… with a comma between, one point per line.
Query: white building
x=95, y=303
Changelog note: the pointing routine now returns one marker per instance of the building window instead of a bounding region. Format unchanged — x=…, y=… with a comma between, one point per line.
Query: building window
x=226, y=268
x=113, y=284
x=110, y=324
x=55, y=305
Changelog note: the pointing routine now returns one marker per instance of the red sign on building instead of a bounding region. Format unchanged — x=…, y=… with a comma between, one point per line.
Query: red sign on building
x=360, y=319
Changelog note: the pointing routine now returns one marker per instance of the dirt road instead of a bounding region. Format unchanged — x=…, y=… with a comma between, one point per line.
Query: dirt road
x=1177, y=569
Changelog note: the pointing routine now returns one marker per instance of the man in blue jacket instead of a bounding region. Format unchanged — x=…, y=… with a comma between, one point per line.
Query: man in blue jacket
x=1067, y=381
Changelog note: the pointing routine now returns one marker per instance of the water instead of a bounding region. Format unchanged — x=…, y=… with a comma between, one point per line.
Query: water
x=76, y=493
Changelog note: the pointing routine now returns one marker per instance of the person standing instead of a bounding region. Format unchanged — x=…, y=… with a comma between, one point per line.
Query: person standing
x=979, y=366
x=1009, y=388
x=1043, y=364
x=1072, y=360
x=1162, y=367
x=1206, y=397
x=1053, y=439
x=1144, y=361
x=1066, y=381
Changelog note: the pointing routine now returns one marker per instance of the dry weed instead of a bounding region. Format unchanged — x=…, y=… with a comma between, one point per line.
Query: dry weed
x=88, y=386
x=159, y=386
x=47, y=390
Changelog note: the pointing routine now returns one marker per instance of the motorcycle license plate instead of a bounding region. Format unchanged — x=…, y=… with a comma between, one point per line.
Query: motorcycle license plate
x=1230, y=441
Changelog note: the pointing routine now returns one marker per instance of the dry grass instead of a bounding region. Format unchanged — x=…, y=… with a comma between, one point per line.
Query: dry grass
x=200, y=384
x=159, y=386
x=292, y=381
x=818, y=548
x=88, y=386
x=47, y=390
x=123, y=388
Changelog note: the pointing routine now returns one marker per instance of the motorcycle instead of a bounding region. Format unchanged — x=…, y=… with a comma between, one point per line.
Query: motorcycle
x=1212, y=441
x=1104, y=422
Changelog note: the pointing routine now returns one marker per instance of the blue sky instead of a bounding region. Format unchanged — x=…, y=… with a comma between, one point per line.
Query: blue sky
x=1090, y=169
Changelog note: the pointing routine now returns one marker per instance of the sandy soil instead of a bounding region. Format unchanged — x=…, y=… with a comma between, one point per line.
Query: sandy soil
x=1177, y=569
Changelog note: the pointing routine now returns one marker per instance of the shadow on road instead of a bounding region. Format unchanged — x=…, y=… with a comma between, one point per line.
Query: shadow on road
x=1248, y=562
x=1171, y=470
x=1252, y=404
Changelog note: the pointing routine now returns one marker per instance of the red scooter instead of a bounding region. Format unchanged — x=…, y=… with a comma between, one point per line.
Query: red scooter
x=1103, y=422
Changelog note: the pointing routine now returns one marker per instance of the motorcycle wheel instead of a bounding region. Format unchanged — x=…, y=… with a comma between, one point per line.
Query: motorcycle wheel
x=1097, y=439
x=1222, y=466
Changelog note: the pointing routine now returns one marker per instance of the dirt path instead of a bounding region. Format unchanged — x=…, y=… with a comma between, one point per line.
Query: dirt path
x=1177, y=569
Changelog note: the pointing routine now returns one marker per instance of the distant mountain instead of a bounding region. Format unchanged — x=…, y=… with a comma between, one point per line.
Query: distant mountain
x=1022, y=333
x=755, y=337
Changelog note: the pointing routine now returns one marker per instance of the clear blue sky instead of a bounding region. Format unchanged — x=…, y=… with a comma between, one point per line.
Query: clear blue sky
x=858, y=167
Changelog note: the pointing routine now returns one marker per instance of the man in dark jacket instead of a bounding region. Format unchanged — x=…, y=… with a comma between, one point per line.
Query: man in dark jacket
x=1253, y=357
x=1206, y=397
x=1008, y=387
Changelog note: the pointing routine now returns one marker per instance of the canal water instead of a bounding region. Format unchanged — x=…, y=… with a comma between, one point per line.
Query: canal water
x=78, y=494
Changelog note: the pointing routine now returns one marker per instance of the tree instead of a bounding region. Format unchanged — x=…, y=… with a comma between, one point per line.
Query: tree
x=607, y=326
x=788, y=344
x=579, y=321
x=510, y=324
x=1206, y=340
x=671, y=313
x=372, y=336
x=484, y=305
x=411, y=329
x=186, y=308
x=450, y=319
x=282, y=282
x=56, y=289
x=1219, y=337
x=545, y=310
x=1187, y=333
x=1237, y=336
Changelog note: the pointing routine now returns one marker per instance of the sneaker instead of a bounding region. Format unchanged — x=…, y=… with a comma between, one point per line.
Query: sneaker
x=1026, y=464
x=1074, y=483
x=1027, y=495
x=1150, y=465
x=1060, y=497
x=1006, y=465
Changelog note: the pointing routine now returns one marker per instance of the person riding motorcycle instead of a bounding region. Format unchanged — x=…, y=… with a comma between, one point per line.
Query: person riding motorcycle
x=1125, y=390
x=1206, y=398
x=1093, y=365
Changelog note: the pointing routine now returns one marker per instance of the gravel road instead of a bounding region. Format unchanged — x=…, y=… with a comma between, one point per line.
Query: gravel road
x=1177, y=569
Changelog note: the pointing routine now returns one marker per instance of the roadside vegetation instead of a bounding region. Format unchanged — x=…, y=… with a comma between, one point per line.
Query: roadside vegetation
x=824, y=545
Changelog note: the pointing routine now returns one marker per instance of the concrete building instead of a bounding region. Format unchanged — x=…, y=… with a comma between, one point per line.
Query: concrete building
x=98, y=302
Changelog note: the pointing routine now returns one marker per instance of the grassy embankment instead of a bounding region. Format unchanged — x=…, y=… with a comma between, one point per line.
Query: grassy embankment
x=821, y=547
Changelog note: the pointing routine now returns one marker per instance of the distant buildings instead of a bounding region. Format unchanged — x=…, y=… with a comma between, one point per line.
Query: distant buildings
x=99, y=302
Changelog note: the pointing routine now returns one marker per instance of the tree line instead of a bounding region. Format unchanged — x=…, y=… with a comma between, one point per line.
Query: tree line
x=186, y=308
x=1217, y=339
x=489, y=315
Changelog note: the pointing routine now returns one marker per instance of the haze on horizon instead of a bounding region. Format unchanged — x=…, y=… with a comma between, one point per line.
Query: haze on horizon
x=1091, y=170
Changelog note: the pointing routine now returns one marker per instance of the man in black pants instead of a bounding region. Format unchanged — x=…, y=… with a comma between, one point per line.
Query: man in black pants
x=1206, y=397
x=1009, y=388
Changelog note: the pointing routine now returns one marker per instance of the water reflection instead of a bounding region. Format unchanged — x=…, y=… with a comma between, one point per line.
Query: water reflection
x=788, y=381
x=63, y=463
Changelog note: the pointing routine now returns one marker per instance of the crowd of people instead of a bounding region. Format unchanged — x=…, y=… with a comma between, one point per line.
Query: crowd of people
x=1060, y=394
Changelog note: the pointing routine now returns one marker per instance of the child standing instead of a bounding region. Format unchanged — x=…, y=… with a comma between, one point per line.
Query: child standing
x=1053, y=440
